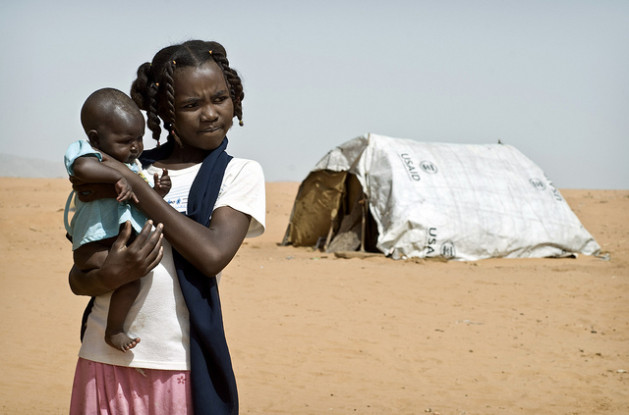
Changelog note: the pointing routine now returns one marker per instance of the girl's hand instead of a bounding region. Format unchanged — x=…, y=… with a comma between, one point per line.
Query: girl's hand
x=128, y=263
x=88, y=192
x=124, y=191
x=123, y=263
x=162, y=184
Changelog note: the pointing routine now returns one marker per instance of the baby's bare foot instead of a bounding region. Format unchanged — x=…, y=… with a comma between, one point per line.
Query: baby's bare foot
x=120, y=340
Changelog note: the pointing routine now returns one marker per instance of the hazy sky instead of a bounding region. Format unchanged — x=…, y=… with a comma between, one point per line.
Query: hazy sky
x=549, y=77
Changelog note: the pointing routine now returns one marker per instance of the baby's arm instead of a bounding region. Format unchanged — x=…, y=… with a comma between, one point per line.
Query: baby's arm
x=91, y=170
x=162, y=184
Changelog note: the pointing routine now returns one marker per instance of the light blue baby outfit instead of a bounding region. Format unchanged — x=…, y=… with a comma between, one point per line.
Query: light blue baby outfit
x=100, y=219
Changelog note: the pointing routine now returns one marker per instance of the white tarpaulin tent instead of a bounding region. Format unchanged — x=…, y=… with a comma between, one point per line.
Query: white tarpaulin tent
x=457, y=201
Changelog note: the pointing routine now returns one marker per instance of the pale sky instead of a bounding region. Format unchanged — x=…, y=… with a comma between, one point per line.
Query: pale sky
x=548, y=77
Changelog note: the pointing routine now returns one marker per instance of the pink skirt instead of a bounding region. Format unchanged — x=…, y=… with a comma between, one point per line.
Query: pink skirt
x=105, y=389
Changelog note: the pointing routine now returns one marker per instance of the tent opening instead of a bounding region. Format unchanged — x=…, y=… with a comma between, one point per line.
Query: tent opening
x=331, y=212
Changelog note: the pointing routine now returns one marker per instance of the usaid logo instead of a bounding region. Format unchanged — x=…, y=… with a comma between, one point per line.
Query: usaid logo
x=556, y=193
x=410, y=166
x=537, y=183
x=448, y=250
x=428, y=167
x=431, y=241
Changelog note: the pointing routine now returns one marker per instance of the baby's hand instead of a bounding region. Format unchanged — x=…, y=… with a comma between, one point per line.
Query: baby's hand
x=124, y=191
x=162, y=184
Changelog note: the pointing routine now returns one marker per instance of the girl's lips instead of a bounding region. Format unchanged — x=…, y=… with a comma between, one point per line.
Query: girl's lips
x=210, y=129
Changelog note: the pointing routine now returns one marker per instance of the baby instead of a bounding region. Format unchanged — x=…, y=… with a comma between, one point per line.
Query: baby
x=114, y=125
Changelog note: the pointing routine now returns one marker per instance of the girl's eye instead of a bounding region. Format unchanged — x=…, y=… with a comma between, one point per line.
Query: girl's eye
x=220, y=99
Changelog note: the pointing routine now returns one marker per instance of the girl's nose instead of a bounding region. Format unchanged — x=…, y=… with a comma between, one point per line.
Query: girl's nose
x=209, y=112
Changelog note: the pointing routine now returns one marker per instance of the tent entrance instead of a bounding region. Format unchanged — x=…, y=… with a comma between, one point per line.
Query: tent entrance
x=331, y=212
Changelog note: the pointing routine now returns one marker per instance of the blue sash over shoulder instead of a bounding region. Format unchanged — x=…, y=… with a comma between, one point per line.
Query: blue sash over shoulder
x=213, y=382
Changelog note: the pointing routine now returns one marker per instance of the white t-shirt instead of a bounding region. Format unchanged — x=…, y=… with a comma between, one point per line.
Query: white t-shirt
x=159, y=316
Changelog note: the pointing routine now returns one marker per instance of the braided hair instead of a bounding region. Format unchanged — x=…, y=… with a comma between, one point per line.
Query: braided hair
x=153, y=90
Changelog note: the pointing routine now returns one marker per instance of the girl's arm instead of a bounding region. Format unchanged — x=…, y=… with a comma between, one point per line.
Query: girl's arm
x=91, y=170
x=210, y=248
x=101, y=271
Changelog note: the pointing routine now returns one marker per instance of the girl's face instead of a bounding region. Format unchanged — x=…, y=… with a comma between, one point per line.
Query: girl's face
x=203, y=107
x=121, y=136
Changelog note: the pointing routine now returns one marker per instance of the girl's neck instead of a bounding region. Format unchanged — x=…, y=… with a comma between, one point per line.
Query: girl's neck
x=182, y=157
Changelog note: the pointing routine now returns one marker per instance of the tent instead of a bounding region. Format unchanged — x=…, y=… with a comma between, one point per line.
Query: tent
x=414, y=199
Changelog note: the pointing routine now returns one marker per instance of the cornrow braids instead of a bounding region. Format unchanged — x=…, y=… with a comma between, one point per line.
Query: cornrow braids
x=153, y=90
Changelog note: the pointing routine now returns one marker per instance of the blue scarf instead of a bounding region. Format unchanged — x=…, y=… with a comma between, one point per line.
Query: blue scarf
x=213, y=382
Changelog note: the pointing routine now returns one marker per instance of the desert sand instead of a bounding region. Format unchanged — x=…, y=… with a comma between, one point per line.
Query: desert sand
x=311, y=333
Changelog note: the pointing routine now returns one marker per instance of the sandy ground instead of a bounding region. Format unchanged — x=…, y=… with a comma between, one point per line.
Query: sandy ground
x=315, y=334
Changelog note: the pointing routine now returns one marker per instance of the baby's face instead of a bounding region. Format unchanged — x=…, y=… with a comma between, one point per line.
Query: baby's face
x=122, y=137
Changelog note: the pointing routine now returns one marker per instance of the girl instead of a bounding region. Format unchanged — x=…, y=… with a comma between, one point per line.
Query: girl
x=195, y=93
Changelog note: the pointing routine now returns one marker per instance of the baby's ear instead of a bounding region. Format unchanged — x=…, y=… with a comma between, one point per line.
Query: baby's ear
x=92, y=136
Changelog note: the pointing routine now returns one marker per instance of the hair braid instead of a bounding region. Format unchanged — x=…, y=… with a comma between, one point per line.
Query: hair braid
x=233, y=83
x=152, y=117
x=170, y=97
x=143, y=93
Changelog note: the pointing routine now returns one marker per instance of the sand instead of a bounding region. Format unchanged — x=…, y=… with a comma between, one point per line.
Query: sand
x=312, y=334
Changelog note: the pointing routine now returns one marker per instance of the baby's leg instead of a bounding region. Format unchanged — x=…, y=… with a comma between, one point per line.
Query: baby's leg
x=121, y=301
x=91, y=256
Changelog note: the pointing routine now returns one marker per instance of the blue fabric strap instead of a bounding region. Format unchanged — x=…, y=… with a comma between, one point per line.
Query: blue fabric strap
x=213, y=382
